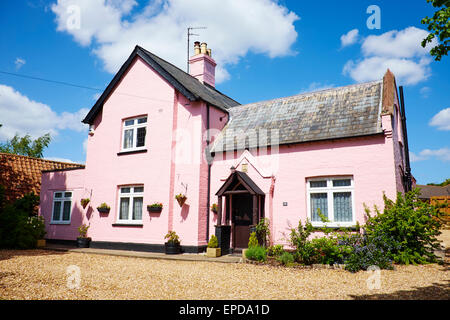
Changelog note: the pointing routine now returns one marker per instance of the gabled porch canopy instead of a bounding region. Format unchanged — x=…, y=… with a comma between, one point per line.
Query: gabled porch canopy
x=239, y=183
x=236, y=177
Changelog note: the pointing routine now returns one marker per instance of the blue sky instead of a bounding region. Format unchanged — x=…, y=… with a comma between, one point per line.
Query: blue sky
x=264, y=50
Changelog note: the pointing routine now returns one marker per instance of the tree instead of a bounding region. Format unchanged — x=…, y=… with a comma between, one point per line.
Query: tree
x=439, y=26
x=26, y=146
x=442, y=184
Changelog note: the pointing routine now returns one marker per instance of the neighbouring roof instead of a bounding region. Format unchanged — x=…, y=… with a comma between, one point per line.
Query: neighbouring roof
x=21, y=174
x=189, y=86
x=349, y=111
x=426, y=192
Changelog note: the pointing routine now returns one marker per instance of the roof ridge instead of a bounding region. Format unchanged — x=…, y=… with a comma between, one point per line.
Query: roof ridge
x=311, y=92
x=40, y=159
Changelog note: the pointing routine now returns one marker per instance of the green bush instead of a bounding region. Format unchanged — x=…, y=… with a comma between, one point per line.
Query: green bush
x=275, y=251
x=330, y=251
x=213, y=242
x=257, y=253
x=253, y=240
x=20, y=228
x=365, y=255
x=263, y=232
x=406, y=230
x=286, y=258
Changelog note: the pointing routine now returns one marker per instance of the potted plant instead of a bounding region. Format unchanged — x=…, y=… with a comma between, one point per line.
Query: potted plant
x=213, y=249
x=181, y=198
x=39, y=230
x=155, y=207
x=172, y=246
x=84, y=202
x=214, y=207
x=103, y=208
x=83, y=241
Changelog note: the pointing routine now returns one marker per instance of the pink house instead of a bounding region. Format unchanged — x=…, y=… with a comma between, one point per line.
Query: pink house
x=157, y=131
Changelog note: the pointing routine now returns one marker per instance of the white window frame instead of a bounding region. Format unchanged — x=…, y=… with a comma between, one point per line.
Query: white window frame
x=329, y=190
x=62, y=200
x=135, y=126
x=131, y=195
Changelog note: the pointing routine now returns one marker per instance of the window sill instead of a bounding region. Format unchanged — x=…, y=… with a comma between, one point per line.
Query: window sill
x=124, y=224
x=58, y=222
x=334, y=226
x=131, y=152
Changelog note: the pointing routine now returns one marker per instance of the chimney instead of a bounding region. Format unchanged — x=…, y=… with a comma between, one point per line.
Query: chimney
x=201, y=65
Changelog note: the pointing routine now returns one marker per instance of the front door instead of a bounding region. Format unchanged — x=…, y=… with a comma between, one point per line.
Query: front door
x=242, y=211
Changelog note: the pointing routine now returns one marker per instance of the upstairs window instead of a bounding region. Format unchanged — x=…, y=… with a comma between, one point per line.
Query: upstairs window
x=62, y=207
x=131, y=202
x=334, y=198
x=134, y=131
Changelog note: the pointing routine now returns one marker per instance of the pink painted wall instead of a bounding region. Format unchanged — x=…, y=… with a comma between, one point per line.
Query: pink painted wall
x=369, y=160
x=162, y=169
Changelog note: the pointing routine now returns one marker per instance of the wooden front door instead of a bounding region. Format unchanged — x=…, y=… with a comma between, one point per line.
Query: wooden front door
x=242, y=210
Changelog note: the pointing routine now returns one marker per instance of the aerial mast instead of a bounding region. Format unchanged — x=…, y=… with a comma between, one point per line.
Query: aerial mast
x=188, y=42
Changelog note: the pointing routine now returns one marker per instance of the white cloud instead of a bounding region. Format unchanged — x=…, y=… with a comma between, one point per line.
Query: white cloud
x=441, y=120
x=19, y=63
x=316, y=86
x=349, y=38
x=60, y=159
x=400, y=51
x=442, y=154
x=234, y=28
x=425, y=92
x=24, y=116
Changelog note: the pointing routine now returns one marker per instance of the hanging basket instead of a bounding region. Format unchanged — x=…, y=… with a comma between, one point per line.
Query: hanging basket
x=181, y=198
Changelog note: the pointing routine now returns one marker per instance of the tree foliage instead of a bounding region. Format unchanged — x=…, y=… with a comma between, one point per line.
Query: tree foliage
x=439, y=27
x=26, y=146
x=442, y=184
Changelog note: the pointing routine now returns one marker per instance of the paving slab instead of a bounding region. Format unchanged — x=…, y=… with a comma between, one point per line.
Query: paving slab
x=148, y=255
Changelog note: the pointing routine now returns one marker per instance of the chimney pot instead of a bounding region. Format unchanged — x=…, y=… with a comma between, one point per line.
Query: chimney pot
x=208, y=51
x=203, y=47
x=196, y=47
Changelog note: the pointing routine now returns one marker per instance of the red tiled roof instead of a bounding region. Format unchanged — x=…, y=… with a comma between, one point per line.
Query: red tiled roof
x=22, y=174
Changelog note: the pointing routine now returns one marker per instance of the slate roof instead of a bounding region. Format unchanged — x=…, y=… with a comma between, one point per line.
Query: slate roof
x=189, y=86
x=21, y=174
x=349, y=111
x=426, y=192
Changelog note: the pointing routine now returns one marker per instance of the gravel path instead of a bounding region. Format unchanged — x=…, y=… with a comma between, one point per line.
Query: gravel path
x=41, y=274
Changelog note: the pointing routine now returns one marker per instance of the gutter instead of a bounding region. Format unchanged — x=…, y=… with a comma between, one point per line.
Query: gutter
x=209, y=160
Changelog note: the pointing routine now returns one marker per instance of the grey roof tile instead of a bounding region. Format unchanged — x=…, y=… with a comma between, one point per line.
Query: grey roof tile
x=348, y=111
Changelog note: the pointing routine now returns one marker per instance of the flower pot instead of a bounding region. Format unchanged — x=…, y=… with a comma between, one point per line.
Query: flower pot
x=103, y=210
x=83, y=242
x=213, y=252
x=172, y=248
x=154, y=209
x=84, y=204
x=181, y=200
x=40, y=243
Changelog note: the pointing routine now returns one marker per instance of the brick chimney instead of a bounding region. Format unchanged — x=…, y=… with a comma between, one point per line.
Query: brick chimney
x=201, y=65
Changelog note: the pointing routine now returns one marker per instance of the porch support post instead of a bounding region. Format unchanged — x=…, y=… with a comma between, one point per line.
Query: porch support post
x=255, y=210
x=219, y=211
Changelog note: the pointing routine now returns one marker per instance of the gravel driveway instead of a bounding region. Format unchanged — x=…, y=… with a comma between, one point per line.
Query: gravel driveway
x=42, y=274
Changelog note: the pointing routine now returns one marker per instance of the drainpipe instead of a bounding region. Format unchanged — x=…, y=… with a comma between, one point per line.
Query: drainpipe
x=209, y=160
x=408, y=181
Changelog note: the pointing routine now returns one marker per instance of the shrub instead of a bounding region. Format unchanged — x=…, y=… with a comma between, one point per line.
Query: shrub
x=286, y=259
x=20, y=228
x=172, y=237
x=366, y=255
x=263, y=232
x=253, y=240
x=213, y=242
x=82, y=230
x=257, y=253
x=406, y=230
x=329, y=251
x=304, y=250
x=275, y=251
